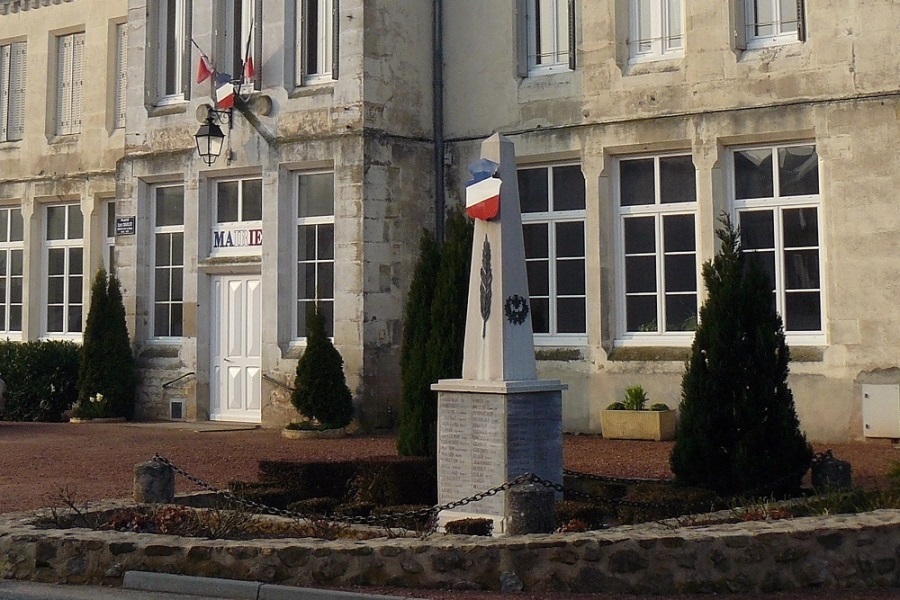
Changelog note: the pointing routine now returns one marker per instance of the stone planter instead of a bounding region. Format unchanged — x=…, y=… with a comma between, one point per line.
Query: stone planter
x=98, y=420
x=658, y=425
x=314, y=434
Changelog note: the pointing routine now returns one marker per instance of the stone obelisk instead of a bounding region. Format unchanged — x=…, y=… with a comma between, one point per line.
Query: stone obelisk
x=499, y=421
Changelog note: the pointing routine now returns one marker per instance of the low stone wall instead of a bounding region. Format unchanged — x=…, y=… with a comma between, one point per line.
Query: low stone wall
x=846, y=551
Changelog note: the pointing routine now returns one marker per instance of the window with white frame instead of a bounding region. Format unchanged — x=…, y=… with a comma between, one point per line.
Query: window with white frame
x=775, y=192
x=770, y=22
x=12, y=274
x=170, y=48
x=168, y=261
x=549, y=30
x=121, y=51
x=241, y=39
x=317, y=35
x=237, y=216
x=109, y=239
x=69, y=83
x=656, y=29
x=657, y=271
x=315, y=248
x=63, y=264
x=12, y=91
x=553, y=225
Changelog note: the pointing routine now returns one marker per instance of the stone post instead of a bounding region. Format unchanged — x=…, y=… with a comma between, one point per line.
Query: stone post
x=530, y=509
x=154, y=483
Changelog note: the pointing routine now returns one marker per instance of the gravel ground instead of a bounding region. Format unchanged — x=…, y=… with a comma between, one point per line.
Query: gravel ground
x=94, y=461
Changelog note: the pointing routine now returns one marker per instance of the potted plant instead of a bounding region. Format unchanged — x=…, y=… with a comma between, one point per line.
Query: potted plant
x=320, y=395
x=630, y=420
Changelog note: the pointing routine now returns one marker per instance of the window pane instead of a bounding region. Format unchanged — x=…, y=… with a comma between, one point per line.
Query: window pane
x=316, y=195
x=55, y=290
x=678, y=233
x=326, y=280
x=788, y=9
x=16, y=226
x=304, y=289
x=4, y=213
x=177, y=249
x=803, y=311
x=161, y=320
x=538, y=277
x=570, y=277
x=110, y=219
x=169, y=206
x=568, y=188
x=766, y=262
x=56, y=261
x=162, y=284
x=753, y=174
x=327, y=309
x=76, y=223
x=645, y=25
x=537, y=244
x=306, y=235
x=227, y=202
x=640, y=313
x=570, y=239
x=176, y=325
x=533, y=190
x=640, y=235
x=309, y=276
x=177, y=277
x=75, y=260
x=763, y=17
x=637, y=185
x=75, y=290
x=15, y=318
x=302, y=309
x=674, y=23
x=570, y=315
x=681, y=273
x=163, y=255
x=15, y=290
x=757, y=230
x=56, y=222
x=3, y=263
x=312, y=40
x=681, y=312
x=801, y=227
x=325, y=242
x=55, y=319
x=251, y=207
x=640, y=274
x=801, y=269
x=677, y=179
x=16, y=262
x=540, y=315
x=798, y=171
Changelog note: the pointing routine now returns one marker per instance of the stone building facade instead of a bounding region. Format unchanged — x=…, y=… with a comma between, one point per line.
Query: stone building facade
x=637, y=123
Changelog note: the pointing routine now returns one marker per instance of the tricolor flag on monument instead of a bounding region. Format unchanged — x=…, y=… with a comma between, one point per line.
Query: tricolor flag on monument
x=483, y=191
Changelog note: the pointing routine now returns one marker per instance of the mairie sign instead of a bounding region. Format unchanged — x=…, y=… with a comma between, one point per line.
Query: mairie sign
x=237, y=238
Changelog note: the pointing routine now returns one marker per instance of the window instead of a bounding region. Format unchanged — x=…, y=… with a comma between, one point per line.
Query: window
x=109, y=239
x=121, y=50
x=553, y=214
x=69, y=83
x=237, y=216
x=241, y=21
x=317, y=47
x=12, y=91
x=172, y=22
x=168, y=261
x=64, y=269
x=549, y=36
x=769, y=22
x=315, y=248
x=656, y=29
x=776, y=197
x=12, y=276
x=657, y=241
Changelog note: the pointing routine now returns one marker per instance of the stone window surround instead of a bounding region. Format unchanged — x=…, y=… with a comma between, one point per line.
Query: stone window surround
x=316, y=222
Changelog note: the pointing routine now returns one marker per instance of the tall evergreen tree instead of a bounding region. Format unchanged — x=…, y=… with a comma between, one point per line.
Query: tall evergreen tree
x=738, y=430
x=107, y=363
x=436, y=350
x=320, y=388
x=415, y=418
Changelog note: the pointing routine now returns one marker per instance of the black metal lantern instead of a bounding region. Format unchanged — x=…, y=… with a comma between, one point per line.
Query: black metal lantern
x=209, y=140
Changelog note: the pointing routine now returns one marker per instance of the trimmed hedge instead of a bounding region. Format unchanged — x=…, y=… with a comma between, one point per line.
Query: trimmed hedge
x=41, y=379
x=473, y=526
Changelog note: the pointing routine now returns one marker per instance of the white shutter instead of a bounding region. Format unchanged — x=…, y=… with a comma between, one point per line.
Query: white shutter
x=121, y=74
x=64, y=85
x=4, y=92
x=77, y=81
x=522, y=33
x=16, y=110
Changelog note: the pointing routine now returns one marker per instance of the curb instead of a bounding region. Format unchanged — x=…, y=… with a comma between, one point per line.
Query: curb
x=233, y=589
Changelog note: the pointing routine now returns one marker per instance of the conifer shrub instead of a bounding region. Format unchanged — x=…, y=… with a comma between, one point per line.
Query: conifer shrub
x=738, y=431
x=434, y=352
x=106, y=377
x=320, y=388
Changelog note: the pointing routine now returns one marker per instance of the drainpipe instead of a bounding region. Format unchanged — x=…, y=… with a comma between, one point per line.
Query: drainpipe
x=437, y=112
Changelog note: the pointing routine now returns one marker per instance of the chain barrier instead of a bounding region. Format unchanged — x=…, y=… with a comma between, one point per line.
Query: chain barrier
x=431, y=513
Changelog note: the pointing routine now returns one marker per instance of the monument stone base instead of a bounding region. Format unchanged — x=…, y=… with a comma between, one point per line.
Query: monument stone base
x=490, y=432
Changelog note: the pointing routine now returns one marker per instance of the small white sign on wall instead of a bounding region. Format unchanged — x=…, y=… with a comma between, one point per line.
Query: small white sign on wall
x=238, y=239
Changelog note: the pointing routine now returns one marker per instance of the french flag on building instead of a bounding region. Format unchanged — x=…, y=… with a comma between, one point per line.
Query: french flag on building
x=483, y=191
x=225, y=92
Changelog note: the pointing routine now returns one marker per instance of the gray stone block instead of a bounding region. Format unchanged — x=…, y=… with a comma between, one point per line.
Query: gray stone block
x=154, y=483
x=529, y=509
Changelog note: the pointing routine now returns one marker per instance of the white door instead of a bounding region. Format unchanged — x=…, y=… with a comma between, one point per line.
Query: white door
x=235, y=372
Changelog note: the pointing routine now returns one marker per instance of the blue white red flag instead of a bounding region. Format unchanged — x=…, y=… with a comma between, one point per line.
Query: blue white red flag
x=483, y=191
x=225, y=92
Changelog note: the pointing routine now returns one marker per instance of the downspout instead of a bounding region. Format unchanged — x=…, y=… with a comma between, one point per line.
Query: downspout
x=437, y=115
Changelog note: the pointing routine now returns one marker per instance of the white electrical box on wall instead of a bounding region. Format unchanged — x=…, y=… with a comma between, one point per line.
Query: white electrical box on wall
x=881, y=410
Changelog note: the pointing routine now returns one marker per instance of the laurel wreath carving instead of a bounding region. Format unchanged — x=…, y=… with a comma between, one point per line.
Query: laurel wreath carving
x=516, y=309
x=487, y=279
